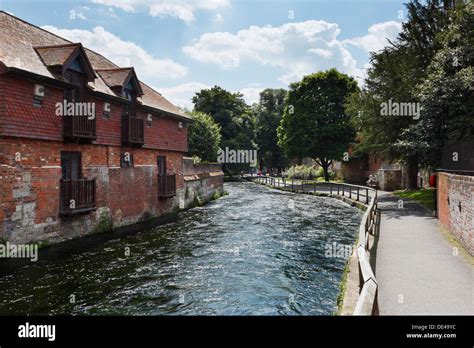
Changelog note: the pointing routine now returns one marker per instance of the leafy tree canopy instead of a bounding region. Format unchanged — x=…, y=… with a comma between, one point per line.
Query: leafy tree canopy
x=268, y=113
x=204, y=137
x=314, y=122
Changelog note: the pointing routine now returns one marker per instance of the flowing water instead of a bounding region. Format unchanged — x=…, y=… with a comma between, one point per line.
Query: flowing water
x=256, y=251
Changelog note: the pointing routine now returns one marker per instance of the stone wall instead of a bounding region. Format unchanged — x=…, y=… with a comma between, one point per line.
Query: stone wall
x=456, y=207
x=202, y=181
x=389, y=179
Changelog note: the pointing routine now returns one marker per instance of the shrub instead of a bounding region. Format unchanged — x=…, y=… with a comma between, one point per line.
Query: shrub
x=302, y=172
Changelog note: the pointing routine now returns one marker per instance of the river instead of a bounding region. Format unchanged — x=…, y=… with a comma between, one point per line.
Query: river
x=256, y=251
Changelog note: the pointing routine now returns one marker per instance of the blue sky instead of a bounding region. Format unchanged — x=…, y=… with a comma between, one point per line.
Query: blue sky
x=181, y=46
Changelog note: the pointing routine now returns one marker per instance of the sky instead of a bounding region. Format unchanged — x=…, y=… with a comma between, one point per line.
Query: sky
x=179, y=47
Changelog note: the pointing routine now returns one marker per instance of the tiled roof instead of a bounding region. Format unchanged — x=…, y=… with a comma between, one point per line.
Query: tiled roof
x=18, y=40
x=114, y=77
x=117, y=77
x=56, y=54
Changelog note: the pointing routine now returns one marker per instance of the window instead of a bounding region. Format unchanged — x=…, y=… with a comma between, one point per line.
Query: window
x=77, y=194
x=129, y=93
x=130, y=107
x=71, y=168
x=161, y=165
x=79, y=80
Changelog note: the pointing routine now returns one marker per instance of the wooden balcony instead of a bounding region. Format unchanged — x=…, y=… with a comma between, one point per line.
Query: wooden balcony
x=77, y=196
x=132, y=130
x=79, y=128
x=166, y=185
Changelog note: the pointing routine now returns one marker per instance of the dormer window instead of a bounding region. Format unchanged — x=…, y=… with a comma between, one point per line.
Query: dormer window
x=123, y=81
x=69, y=62
x=128, y=92
x=75, y=76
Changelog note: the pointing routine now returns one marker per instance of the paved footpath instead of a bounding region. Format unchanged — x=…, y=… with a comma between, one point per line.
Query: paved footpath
x=415, y=266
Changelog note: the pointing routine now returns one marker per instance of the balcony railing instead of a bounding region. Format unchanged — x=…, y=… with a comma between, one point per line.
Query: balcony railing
x=166, y=185
x=132, y=130
x=79, y=127
x=77, y=196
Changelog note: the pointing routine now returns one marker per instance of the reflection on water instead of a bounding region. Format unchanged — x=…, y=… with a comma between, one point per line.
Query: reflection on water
x=249, y=253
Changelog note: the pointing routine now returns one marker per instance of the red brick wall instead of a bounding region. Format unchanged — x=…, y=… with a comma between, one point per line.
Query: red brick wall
x=457, y=213
x=165, y=134
x=23, y=119
x=108, y=130
x=29, y=188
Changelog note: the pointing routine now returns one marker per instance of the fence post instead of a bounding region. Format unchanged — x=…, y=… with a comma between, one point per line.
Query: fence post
x=343, y=186
x=357, y=193
x=350, y=192
x=302, y=185
x=366, y=196
x=330, y=188
x=338, y=189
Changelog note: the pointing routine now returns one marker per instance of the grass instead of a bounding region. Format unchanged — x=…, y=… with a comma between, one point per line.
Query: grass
x=425, y=197
x=342, y=288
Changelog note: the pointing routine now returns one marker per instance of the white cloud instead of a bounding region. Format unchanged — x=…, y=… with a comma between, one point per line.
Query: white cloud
x=295, y=48
x=251, y=94
x=378, y=36
x=123, y=53
x=181, y=95
x=218, y=18
x=182, y=9
x=321, y=52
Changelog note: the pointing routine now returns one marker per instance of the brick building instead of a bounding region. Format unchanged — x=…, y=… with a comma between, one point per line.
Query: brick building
x=65, y=176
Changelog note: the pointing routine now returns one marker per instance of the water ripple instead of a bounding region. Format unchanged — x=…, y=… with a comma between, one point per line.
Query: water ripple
x=257, y=251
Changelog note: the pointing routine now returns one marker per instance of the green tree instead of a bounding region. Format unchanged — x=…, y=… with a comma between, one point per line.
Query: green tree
x=234, y=116
x=204, y=137
x=268, y=113
x=224, y=107
x=397, y=72
x=314, y=123
x=447, y=93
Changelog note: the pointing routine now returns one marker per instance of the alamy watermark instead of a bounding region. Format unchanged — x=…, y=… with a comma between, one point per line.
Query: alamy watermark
x=37, y=331
x=337, y=250
x=237, y=156
x=68, y=108
x=392, y=108
x=24, y=251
